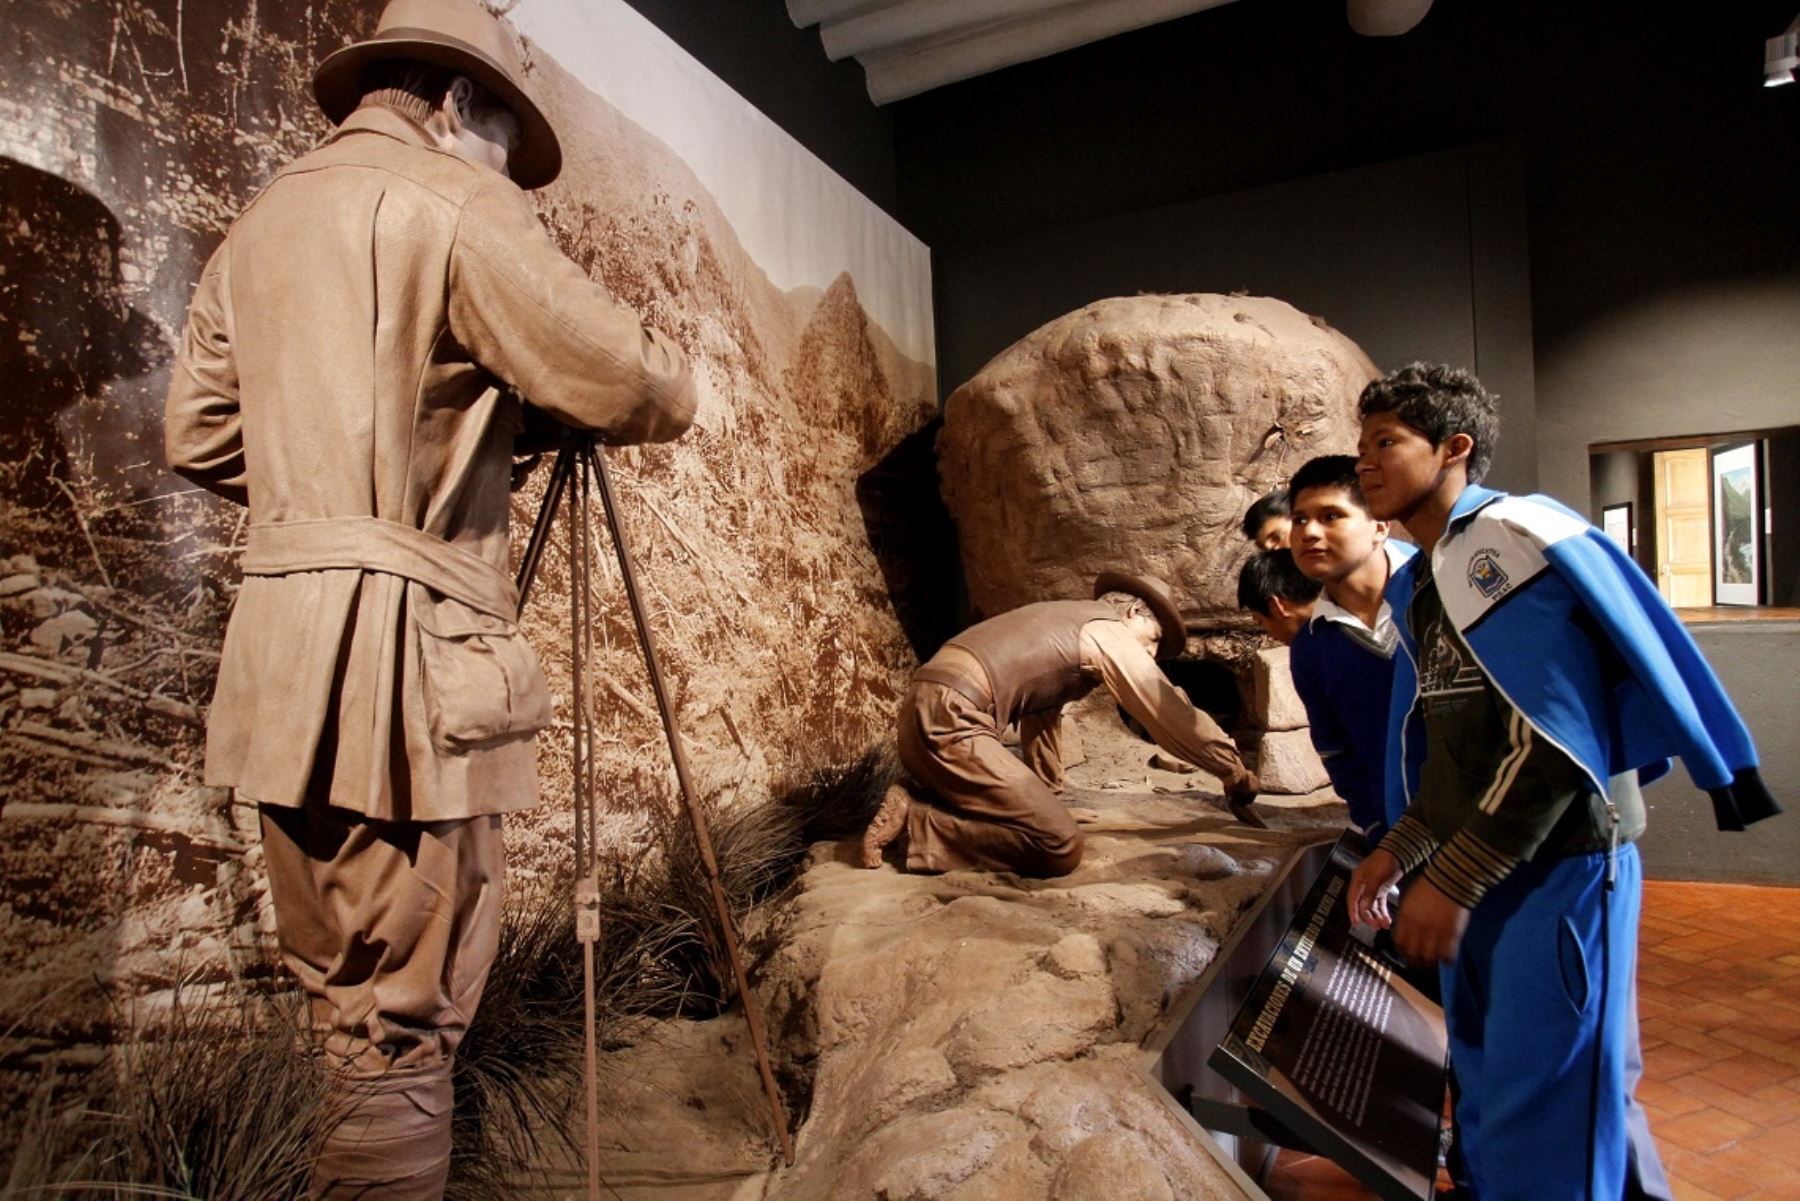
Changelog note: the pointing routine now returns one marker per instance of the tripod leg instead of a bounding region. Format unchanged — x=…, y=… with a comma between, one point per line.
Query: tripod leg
x=546, y=517
x=696, y=816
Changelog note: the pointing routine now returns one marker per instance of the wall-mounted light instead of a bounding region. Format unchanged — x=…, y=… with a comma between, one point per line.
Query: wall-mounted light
x=1781, y=54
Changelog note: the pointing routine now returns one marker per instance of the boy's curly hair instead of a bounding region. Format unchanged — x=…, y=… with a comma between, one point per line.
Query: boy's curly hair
x=1438, y=401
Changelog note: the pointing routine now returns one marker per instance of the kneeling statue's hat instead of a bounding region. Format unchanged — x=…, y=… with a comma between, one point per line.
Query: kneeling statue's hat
x=1155, y=593
x=459, y=35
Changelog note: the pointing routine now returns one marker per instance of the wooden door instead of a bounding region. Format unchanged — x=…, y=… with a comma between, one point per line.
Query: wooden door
x=1683, y=528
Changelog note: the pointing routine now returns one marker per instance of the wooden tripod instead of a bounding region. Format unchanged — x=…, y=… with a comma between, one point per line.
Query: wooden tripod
x=582, y=463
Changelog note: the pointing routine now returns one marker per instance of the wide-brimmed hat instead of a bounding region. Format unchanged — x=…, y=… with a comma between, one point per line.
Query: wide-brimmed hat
x=460, y=35
x=1155, y=593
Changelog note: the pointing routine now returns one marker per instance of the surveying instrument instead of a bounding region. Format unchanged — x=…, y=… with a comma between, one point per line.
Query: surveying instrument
x=580, y=470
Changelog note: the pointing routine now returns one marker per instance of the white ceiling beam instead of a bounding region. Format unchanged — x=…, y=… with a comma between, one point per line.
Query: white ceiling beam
x=933, y=61
x=903, y=21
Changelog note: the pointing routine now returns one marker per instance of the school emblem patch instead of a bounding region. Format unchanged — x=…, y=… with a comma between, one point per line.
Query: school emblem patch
x=1485, y=572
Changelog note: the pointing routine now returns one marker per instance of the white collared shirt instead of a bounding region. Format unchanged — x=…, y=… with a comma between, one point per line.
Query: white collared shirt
x=1382, y=638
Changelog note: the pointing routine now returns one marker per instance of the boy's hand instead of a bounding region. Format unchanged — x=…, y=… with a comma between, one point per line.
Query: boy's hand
x=1369, y=884
x=1431, y=924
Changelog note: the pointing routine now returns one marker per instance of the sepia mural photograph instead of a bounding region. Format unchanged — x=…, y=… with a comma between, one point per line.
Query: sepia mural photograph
x=130, y=136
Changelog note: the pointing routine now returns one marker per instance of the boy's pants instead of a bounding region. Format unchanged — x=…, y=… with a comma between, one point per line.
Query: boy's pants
x=1541, y=1010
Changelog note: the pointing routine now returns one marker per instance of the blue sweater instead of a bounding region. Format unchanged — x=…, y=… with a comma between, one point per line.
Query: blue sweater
x=1576, y=638
x=1345, y=680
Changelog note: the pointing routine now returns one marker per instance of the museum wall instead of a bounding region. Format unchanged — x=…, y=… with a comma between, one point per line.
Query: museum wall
x=130, y=135
x=1682, y=841
x=1783, y=479
x=1620, y=477
x=1654, y=163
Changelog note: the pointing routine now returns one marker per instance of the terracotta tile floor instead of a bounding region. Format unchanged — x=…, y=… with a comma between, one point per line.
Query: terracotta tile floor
x=1719, y=1003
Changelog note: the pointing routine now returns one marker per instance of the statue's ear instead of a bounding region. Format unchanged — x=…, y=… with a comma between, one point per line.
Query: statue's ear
x=459, y=101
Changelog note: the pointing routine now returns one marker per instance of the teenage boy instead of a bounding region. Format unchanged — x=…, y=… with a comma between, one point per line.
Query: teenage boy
x=1342, y=659
x=1266, y=521
x=1273, y=590
x=1543, y=679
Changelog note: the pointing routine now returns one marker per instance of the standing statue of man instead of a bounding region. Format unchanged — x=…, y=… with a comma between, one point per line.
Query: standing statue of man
x=971, y=803
x=341, y=376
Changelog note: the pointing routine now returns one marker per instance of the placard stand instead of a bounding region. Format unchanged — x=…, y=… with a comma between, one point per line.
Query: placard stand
x=1327, y=1048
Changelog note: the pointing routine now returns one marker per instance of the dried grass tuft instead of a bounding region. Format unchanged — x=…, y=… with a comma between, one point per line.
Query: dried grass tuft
x=668, y=917
x=213, y=1103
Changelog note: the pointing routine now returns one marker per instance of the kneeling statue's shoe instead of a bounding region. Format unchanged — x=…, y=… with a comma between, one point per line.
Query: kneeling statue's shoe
x=888, y=824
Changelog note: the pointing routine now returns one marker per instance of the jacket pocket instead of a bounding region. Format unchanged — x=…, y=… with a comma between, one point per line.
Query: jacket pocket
x=482, y=682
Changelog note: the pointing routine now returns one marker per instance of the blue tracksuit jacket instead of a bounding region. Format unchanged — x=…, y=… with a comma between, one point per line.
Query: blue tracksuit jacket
x=1576, y=637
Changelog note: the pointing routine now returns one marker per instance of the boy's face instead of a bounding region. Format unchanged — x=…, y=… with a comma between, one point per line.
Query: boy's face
x=1273, y=533
x=1398, y=466
x=1283, y=620
x=1333, y=535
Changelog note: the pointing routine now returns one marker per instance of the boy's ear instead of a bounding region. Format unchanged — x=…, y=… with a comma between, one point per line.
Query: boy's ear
x=1381, y=531
x=1282, y=607
x=1458, y=448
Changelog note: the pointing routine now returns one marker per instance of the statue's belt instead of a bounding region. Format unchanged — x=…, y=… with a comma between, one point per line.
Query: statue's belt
x=956, y=681
x=374, y=544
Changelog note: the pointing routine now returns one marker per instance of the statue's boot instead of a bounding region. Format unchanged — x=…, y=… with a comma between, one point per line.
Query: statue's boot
x=888, y=824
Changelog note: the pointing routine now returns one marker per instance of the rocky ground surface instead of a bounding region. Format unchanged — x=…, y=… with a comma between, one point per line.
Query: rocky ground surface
x=971, y=1035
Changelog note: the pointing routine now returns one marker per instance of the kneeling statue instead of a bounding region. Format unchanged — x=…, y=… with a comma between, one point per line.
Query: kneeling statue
x=976, y=804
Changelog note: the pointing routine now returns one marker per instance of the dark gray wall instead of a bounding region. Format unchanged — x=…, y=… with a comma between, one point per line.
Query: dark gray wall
x=1661, y=187
x=1422, y=258
x=1682, y=842
x=1705, y=358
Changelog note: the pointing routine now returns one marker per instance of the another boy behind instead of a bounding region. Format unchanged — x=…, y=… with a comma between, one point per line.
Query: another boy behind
x=1541, y=673
x=1273, y=590
x=1343, y=657
x=1266, y=521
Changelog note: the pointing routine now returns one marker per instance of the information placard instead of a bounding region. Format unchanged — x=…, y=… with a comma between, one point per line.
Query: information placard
x=1340, y=1048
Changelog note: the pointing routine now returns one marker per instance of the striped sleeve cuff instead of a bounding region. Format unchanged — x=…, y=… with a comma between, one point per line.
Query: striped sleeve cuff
x=1410, y=842
x=1466, y=867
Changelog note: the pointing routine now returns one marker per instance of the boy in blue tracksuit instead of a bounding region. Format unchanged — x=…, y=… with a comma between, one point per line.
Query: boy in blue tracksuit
x=1541, y=680
x=1343, y=657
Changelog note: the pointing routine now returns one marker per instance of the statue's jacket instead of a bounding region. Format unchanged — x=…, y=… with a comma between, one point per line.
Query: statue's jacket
x=1576, y=638
x=340, y=375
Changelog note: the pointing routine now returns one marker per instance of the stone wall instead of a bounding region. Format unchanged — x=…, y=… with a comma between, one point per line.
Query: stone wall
x=1285, y=759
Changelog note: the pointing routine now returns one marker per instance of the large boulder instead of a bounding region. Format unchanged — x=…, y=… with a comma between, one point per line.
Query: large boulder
x=1133, y=433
